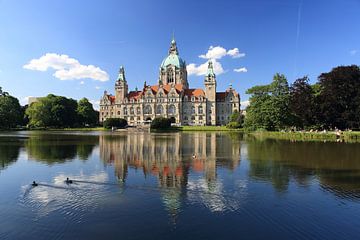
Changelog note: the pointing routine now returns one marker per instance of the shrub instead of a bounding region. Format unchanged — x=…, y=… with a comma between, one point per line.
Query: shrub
x=233, y=125
x=115, y=122
x=160, y=123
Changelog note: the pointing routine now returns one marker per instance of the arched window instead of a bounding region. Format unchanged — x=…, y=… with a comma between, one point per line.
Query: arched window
x=170, y=76
x=159, y=109
x=138, y=110
x=125, y=111
x=148, y=109
x=131, y=110
x=200, y=110
x=172, y=109
x=192, y=110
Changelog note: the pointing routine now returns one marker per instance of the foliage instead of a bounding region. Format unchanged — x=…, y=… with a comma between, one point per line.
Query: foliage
x=269, y=105
x=160, y=123
x=115, y=122
x=236, y=120
x=339, y=100
x=87, y=116
x=10, y=111
x=302, y=103
x=53, y=111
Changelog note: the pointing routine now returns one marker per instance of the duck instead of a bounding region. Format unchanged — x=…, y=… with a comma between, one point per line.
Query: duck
x=194, y=156
x=68, y=181
x=34, y=184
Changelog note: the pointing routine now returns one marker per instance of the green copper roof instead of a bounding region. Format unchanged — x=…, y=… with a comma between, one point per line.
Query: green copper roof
x=210, y=71
x=173, y=59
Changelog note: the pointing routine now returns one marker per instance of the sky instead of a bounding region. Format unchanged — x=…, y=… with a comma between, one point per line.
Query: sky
x=75, y=48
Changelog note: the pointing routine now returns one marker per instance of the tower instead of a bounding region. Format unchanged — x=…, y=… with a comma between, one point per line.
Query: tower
x=121, y=86
x=173, y=68
x=210, y=92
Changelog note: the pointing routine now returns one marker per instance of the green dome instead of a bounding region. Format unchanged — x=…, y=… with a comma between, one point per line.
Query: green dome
x=173, y=59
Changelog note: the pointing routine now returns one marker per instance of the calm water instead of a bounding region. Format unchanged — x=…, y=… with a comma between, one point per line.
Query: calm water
x=148, y=186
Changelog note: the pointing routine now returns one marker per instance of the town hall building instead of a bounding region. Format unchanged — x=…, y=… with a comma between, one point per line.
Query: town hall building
x=171, y=97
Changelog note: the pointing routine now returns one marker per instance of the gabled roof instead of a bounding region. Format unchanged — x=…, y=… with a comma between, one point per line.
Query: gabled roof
x=134, y=95
x=167, y=88
x=196, y=92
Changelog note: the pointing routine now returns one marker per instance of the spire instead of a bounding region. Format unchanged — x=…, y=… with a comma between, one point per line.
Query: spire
x=210, y=71
x=173, y=48
x=121, y=76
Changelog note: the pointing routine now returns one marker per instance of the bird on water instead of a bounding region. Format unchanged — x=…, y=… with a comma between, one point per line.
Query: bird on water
x=68, y=181
x=34, y=184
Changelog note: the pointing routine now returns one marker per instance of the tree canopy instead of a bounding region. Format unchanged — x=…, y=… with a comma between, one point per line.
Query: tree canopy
x=10, y=111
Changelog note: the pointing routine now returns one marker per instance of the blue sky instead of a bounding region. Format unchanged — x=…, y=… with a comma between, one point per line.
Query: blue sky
x=294, y=37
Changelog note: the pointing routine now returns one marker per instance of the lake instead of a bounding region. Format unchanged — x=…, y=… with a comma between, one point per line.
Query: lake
x=151, y=186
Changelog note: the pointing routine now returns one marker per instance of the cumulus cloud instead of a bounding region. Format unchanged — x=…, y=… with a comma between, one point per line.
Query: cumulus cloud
x=235, y=53
x=219, y=52
x=201, y=69
x=241, y=69
x=244, y=104
x=95, y=103
x=66, y=68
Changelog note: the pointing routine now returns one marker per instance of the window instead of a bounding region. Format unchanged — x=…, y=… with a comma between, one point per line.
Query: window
x=170, y=76
x=200, y=117
x=131, y=110
x=138, y=110
x=193, y=118
x=192, y=110
x=186, y=98
x=118, y=112
x=159, y=109
x=200, y=110
x=185, y=118
x=172, y=109
x=125, y=111
x=148, y=109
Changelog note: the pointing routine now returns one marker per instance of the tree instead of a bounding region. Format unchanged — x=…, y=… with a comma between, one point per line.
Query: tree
x=269, y=105
x=86, y=113
x=115, y=122
x=302, y=103
x=160, y=123
x=236, y=120
x=10, y=111
x=340, y=97
x=53, y=111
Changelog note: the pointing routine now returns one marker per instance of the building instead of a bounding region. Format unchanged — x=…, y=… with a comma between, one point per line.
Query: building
x=171, y=97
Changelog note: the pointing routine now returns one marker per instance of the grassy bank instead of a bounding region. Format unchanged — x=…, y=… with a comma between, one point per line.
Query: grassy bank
x=206, y=128
x=308, y=136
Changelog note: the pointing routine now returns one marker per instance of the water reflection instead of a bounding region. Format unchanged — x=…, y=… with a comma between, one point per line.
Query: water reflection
x=336, y=166
x=59, y=148
x=9, y=150
x=171, y=158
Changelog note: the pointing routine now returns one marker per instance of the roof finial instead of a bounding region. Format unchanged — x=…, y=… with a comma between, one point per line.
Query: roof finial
x=173, y=36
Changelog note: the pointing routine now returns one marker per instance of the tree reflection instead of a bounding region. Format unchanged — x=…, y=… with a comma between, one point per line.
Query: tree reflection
x=59, y=148
x=335, y=165
x=9, y=151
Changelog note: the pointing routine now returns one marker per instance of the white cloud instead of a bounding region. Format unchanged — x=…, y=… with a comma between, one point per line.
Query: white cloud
x=95, y=103
x=25, y=100
x=353, y=52
x=241, y=69
x=235, y=53
x=66, y=68
x=82, y=82
x=218, y=52
x=97, y=87
x=200, y=70
x=245, y=104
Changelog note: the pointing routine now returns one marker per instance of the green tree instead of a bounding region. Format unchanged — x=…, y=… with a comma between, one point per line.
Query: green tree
x=160, y=123
x=236, y=120
x=269, y=105
x=10, y=111
x=302, y=103
x=115, y=122
x=86, y=113
x=53, y=111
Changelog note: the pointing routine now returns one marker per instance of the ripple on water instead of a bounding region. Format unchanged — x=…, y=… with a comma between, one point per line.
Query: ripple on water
x=69, y=202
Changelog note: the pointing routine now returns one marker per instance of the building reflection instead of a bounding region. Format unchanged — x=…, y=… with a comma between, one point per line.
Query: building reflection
x=171, y=158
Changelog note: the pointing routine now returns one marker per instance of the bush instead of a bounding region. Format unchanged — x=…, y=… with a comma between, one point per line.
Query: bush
x=115, y=122
x=160, y=123
x=233, y=125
